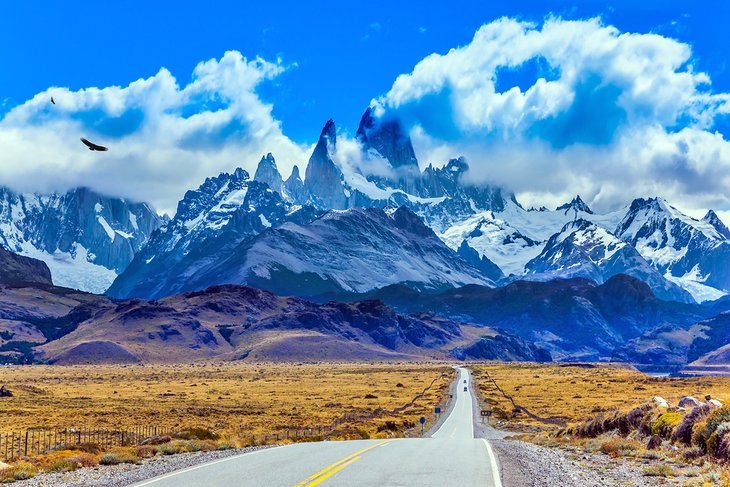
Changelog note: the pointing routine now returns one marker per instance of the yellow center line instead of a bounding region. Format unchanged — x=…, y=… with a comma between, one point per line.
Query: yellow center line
x=332, y=472
x=335, y=467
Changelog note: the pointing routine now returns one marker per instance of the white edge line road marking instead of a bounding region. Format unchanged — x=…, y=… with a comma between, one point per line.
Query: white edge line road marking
x=493, y=463
x=452, y=410
x=203, y=465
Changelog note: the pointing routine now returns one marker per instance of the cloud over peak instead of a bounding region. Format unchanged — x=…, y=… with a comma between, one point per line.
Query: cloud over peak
x=577, y=101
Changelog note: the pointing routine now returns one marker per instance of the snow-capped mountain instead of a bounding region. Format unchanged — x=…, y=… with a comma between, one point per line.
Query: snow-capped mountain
x=210, y=221
x=583, y=249
x=85, y=238
x=484, y=224
x=354, y=250
x=692, y=253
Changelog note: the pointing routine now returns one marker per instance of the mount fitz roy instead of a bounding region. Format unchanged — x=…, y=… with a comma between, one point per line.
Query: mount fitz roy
x=354, y=227
x=314, y=237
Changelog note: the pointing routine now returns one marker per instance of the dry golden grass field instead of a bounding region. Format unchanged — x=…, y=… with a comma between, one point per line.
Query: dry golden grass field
x=235, y=400
x=575, y=394
x=608, y=411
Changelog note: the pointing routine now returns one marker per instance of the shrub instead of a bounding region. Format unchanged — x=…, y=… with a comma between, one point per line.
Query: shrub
x=620, y=446
x=659, y=470
x=84, y=447
x=66, y=465
x=666, y=423
x=388, y=426
x=691, y=454
x=704, y=434
x=181, y=446
x=196, y=434
x=683, y=432
x=115, y=458
x=19, y=471
x=146, y=451
x=85, y=460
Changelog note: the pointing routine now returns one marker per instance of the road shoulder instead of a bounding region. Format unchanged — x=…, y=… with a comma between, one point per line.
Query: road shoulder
x=524, y=464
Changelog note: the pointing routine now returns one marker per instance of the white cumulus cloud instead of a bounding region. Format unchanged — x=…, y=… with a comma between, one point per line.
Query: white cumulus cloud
x=563, y=107
x=163, y=138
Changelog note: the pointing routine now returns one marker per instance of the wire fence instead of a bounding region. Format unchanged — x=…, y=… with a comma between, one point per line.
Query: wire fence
x=41, y=440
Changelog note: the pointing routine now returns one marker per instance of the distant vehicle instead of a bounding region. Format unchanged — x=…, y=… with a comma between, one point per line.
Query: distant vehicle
x=464, y=388
x=93, y=146
x=464, y=381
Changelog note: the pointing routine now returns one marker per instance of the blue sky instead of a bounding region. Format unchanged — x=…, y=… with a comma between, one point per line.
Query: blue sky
x=346, y=52
x=532, y=100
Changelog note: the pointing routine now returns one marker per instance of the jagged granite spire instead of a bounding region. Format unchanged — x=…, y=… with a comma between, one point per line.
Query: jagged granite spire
x=294, y=187
x=387, y=136
x=267, y=173
x=324, y=179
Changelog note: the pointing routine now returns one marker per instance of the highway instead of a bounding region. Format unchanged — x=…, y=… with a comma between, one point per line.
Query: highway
x=451, y=456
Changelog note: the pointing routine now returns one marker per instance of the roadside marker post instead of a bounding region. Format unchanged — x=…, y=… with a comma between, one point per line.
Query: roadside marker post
x=437, y=410
x=486, y=414
x=422, y=421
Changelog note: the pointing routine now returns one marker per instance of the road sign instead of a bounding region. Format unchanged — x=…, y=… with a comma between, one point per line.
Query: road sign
x=422, y=420
x=437, y=410
x=486, y=412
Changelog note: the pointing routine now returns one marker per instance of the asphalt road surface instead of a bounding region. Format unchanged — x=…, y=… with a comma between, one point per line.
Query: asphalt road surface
x=452, y=456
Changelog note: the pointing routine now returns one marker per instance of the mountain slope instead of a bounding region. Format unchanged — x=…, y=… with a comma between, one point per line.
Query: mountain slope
x=85, y=238
x=16, y=268
x=210, y=221
x=583, y=249
x=575, y=319
x=231, y=323
x=353, y=250
x=692, y=253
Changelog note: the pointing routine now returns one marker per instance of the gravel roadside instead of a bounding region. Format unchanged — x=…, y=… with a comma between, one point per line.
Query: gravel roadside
x=128, y=474
x=523, y=464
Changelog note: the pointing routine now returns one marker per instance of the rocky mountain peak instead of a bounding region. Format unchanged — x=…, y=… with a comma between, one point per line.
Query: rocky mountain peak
x=387, y=136
x=294, y=186
x=712, y=218
x=324, y=180
x=268, y=173
x=576, y=204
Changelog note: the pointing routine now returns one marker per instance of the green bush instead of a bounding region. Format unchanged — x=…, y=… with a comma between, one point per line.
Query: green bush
x=666, y=423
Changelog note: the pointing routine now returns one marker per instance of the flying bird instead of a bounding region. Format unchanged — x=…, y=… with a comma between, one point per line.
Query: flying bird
x=93, y=146
x=53, y=101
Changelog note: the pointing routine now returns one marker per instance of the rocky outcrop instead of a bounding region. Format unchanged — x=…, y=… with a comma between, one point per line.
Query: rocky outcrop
x=388, y=138
x=16, y=269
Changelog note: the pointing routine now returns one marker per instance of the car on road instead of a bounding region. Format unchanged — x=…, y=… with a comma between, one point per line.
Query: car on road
x=464, y=381
x=464, y=388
